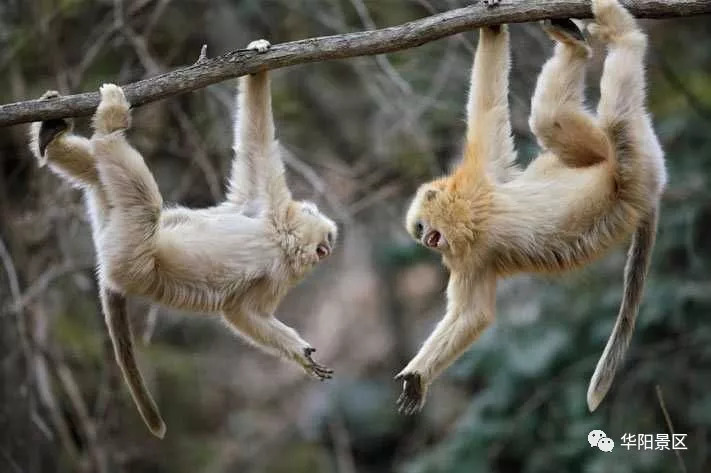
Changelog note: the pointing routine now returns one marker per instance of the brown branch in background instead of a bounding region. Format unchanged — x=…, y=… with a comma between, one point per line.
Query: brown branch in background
x=408, y=35
x=682, y=466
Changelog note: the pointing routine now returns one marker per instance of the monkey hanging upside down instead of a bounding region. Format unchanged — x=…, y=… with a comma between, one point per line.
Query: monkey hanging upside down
x=597, y=181
x=238, y=258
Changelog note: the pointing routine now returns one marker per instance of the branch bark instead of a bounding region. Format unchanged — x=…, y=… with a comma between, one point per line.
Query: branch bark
x=408, y=35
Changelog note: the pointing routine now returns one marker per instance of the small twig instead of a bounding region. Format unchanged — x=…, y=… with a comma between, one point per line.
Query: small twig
x=318, y=184
x=12, y=279
x=658, y=388
x=84, y=419
x=203, y=54
x=46, y=393
x=8, y=458
x=42, y=282
x=382, y=61
x=199, y=152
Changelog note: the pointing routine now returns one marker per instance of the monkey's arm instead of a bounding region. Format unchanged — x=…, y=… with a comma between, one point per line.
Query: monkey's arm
x=257, y=170
x=470, y=309
x=489, y=142
x=278, y=338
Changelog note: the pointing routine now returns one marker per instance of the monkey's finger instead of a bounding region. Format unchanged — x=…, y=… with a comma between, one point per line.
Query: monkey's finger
x=321, y=368
x=401, y=400
x=565, y=28
x=411, y=406
x=324, y=373
x=406, y=402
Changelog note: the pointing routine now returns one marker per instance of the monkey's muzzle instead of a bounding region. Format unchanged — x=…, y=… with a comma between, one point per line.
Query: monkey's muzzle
x=432, y=239
x=323, y=250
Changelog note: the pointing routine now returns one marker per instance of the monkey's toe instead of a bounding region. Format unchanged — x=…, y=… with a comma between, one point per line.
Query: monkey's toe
x=112, y=94
x=50, y=94
x=412, y=397
x=564, y=30
x=49, y=130
x=113, y=111
x=317, y=370
x=260, y=45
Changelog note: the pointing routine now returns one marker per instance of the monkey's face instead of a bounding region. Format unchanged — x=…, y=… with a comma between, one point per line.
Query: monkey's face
x=423, y=220
x=446, y=220
x=315, y=232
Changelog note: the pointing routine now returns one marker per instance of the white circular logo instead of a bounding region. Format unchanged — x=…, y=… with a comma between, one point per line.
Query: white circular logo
x=598, y=438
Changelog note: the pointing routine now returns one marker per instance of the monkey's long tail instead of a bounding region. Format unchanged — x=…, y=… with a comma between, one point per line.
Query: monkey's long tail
x=119, y=326
x=638, y=259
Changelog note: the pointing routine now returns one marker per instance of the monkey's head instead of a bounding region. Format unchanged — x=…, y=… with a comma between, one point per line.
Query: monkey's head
x=446, y=220
x=314, y=233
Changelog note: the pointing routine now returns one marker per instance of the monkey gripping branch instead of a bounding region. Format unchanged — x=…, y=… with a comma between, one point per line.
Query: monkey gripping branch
x=408, y=35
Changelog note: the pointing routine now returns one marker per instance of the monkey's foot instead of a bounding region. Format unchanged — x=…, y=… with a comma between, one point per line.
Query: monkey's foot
x=563, y=30
x=113, y=111
x=413, y=393
x=319, y=371
x=50, y=94
x=491, y=3
x=613, y=23
x=567, y=32
x=260, y=45
x=48, y=130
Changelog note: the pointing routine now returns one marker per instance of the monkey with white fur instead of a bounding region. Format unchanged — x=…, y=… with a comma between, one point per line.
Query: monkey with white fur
x=238, y=258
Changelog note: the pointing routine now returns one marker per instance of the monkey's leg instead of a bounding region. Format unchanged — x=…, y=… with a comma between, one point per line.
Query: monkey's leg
x=273, y=335
x=621, y=110
x=70, y=156
x=622, y=86
x=128, y=246
x=489, y=140
x=470, y=310
x=52, y=142
x=558, y=118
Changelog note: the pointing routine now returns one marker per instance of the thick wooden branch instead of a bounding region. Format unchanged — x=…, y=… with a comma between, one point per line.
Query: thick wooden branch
x=415, y=33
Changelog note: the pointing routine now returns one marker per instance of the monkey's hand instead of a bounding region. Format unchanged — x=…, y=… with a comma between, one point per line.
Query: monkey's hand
x=414, y=393
x=314, y=369
x=260, y=45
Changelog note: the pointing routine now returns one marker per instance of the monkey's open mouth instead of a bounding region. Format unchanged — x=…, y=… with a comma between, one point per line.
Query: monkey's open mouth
x=323, y=251
x=432, y=239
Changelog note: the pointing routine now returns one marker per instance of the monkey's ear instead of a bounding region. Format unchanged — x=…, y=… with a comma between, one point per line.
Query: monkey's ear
x=430, y=194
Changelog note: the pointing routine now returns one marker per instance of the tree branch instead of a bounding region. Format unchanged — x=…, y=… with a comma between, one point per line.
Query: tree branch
x=408, y=35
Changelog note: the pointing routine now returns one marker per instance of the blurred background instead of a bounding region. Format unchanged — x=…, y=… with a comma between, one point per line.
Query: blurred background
x=361, y=134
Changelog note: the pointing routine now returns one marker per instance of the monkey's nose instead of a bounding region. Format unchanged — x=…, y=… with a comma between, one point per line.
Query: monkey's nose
x=419, y=228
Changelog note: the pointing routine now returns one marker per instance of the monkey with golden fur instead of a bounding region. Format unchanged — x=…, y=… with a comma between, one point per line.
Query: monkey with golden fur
x=238, y=258
x=597, y=181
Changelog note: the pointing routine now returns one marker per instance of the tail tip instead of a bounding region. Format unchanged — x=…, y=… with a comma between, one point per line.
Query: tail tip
x=158, y=429
x=596, y=394
x=593, y=401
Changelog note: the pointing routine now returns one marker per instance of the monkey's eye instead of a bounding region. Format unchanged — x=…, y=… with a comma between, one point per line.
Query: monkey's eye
x=329, y=238
x=419, y=228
